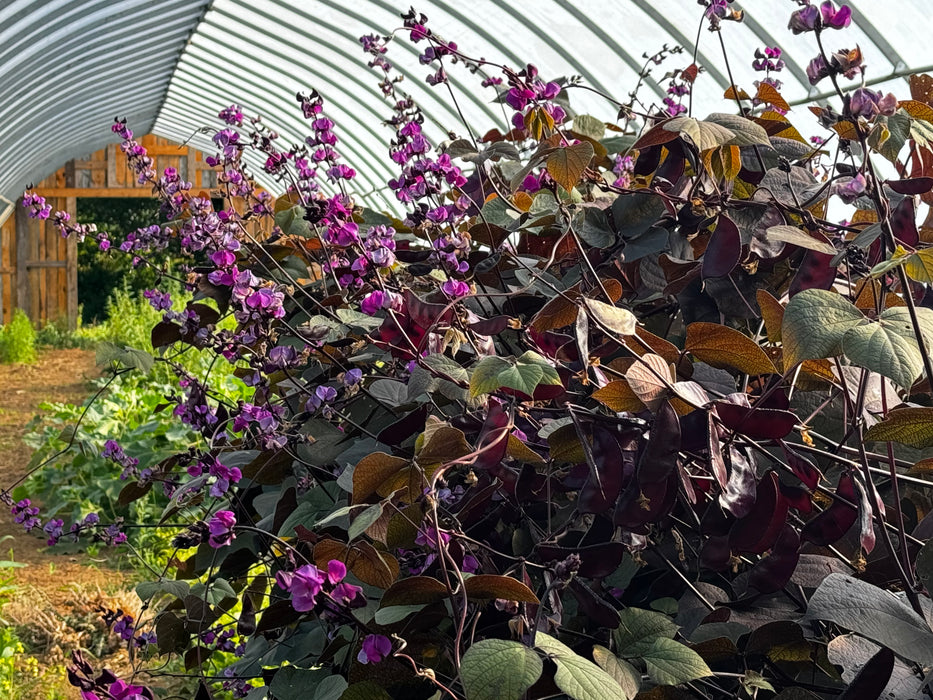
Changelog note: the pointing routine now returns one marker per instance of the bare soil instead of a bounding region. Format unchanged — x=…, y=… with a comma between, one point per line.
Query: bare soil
x=53, y=606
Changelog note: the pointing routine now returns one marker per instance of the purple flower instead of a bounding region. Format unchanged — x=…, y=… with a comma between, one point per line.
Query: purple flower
x=866, y=103
x=373, y=302
x=806, y=19
x=817, y=70
x=455, y=288
x=852, y=189
x=837, y=19
x=221, y=527
x=53, y=528
x=304, y=584
x=376, y=647
x=352, y=377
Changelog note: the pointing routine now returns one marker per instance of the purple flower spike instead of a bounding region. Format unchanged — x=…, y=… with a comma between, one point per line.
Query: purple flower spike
x=304, y=584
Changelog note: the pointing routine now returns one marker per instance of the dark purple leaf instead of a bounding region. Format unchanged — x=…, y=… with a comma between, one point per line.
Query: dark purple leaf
x=758, y=530
x=659, y=459
x=916, y=185
x=871, y=681
x=772, y=572
x=802, y=467
x=815, y=272
x=723, y=251
x=490, y=326
x=797, y=497
x=904, y=223
x=402, y=429
x=716, y=462
x=716, y=553
x=493, y=439
x=829, y=526
x=615, y=469
x=645, y=503
x=594, y=607
x=756, y=423
x=739, y=495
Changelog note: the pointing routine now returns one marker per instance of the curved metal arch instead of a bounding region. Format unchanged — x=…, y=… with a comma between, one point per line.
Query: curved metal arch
x=681, y=38
x=323, y=79
x=283, y=117
x=359, y=60
x=597, y=30
x=195, y=110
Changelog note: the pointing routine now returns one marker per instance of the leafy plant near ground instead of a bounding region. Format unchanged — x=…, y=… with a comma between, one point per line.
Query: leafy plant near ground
x=18, y=340
x=615, y=410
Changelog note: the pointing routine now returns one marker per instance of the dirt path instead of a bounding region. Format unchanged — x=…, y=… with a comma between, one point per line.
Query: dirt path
x=52, y=606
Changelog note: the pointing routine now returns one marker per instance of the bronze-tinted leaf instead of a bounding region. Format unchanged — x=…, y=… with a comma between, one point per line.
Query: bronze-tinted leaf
x=490, y=587
x=908, y=426
x=415, y=590
x=619, y=396
x=566, y=165
x=372, y=472
x=649, y=379
x=724, y=347
x=772, y=312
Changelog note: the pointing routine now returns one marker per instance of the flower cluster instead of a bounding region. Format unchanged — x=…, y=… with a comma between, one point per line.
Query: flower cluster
x=307, y=583
x=221, y=529
x=810, y=19
x=114, y=452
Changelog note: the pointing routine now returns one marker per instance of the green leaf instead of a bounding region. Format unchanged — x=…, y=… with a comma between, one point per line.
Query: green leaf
x=908, y=426
x=815, y=322
x=899, y=127
x=579, y=678
x=365, y=690
x=147, y=589
x=623, y=672
x=499, y=669
x=671, y=663
x=799, y=237
x=704, y=135
x=746, y=132
x=874, y=613
x=522, y=374
x=589, y=126
x=358, y=319
x=395, y=613
x=887, y=347
x=592, y=225
x=331, y=688
x=362, y=521
x=108, y=352
x=921, y=131
x=638, y=628
x=291, y=683
x=919, y=266
x=633, y=214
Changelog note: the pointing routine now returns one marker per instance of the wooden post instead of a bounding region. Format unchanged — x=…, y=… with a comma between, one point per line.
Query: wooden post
x=71, y=269
x=20, y=256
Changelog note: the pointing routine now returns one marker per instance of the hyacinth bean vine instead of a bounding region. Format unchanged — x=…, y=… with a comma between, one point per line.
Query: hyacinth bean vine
x=615, y=409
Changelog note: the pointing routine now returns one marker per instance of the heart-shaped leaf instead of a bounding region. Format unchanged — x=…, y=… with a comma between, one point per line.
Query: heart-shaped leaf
x=908, y=426
x=649, y=377
x=723, y=347
x=580, y=678
x=889, y=346
x=815, y=322
x=494, y=669
x=874, y=613
x=566, y=165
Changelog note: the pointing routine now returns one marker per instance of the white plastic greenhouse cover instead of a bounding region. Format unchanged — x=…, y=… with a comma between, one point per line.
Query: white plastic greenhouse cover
x=68, y=67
